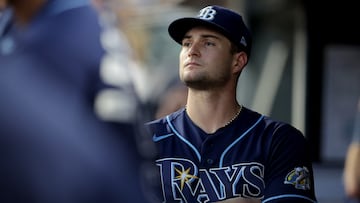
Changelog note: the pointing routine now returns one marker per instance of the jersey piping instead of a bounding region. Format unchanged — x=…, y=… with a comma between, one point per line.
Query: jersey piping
x=194, y=148
x=237, y=140
x=288, y=195
x=182, y=138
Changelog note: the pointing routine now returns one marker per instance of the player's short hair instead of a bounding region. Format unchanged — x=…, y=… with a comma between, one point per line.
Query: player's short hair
x=227, y=22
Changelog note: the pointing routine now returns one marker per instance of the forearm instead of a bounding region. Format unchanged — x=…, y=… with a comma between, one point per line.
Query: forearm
x=352, y=171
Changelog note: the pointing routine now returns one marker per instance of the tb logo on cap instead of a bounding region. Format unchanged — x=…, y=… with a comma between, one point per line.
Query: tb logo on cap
x=207, y=13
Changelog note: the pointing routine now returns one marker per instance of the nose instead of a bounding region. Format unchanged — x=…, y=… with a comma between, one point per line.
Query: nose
x=194, y=49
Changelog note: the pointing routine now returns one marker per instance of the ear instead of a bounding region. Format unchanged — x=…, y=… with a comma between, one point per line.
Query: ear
x=240, y=61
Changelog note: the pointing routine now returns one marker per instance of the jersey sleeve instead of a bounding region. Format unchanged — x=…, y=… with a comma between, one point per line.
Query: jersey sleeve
x=289, y=175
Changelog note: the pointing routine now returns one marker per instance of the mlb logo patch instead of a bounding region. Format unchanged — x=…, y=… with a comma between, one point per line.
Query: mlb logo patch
x=299, y=177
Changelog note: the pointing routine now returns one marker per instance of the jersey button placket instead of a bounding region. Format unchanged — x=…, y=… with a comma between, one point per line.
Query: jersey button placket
x=208, y=149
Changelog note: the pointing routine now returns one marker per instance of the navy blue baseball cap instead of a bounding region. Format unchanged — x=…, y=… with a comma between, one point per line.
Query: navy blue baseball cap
x=227, y=22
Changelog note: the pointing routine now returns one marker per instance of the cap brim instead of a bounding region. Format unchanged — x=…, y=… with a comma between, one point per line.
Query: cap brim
x=180, y=27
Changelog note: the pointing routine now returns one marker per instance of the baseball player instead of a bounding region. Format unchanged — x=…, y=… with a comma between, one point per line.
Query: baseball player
x=215, y=149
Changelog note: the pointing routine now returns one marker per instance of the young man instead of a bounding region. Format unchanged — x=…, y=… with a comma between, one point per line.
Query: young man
x=215, y=149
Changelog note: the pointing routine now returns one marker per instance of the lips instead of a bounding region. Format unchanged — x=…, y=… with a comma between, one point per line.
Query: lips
x=191, y=64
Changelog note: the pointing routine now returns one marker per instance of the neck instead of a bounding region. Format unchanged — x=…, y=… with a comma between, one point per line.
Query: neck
x=212, y=113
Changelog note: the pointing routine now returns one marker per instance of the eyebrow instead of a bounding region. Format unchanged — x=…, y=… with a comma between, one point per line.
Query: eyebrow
x=203, y=36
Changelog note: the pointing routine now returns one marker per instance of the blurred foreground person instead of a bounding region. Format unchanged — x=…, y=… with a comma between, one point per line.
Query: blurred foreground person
x=53, y=148
x=352, y=163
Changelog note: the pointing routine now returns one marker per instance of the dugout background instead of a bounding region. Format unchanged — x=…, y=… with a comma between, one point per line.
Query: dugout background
x=304, y=67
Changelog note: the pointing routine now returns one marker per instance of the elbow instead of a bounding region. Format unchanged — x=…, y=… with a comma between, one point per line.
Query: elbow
x=353, y=191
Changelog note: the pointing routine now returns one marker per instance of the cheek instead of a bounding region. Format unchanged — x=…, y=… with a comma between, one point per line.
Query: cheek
x=182, y=56
x=181, y=62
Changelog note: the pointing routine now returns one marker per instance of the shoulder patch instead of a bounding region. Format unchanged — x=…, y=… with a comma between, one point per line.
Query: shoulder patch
x=299, y=177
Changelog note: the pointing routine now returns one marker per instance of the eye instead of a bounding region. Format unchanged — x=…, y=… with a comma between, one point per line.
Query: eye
x=209, y=43
x=185, y=43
